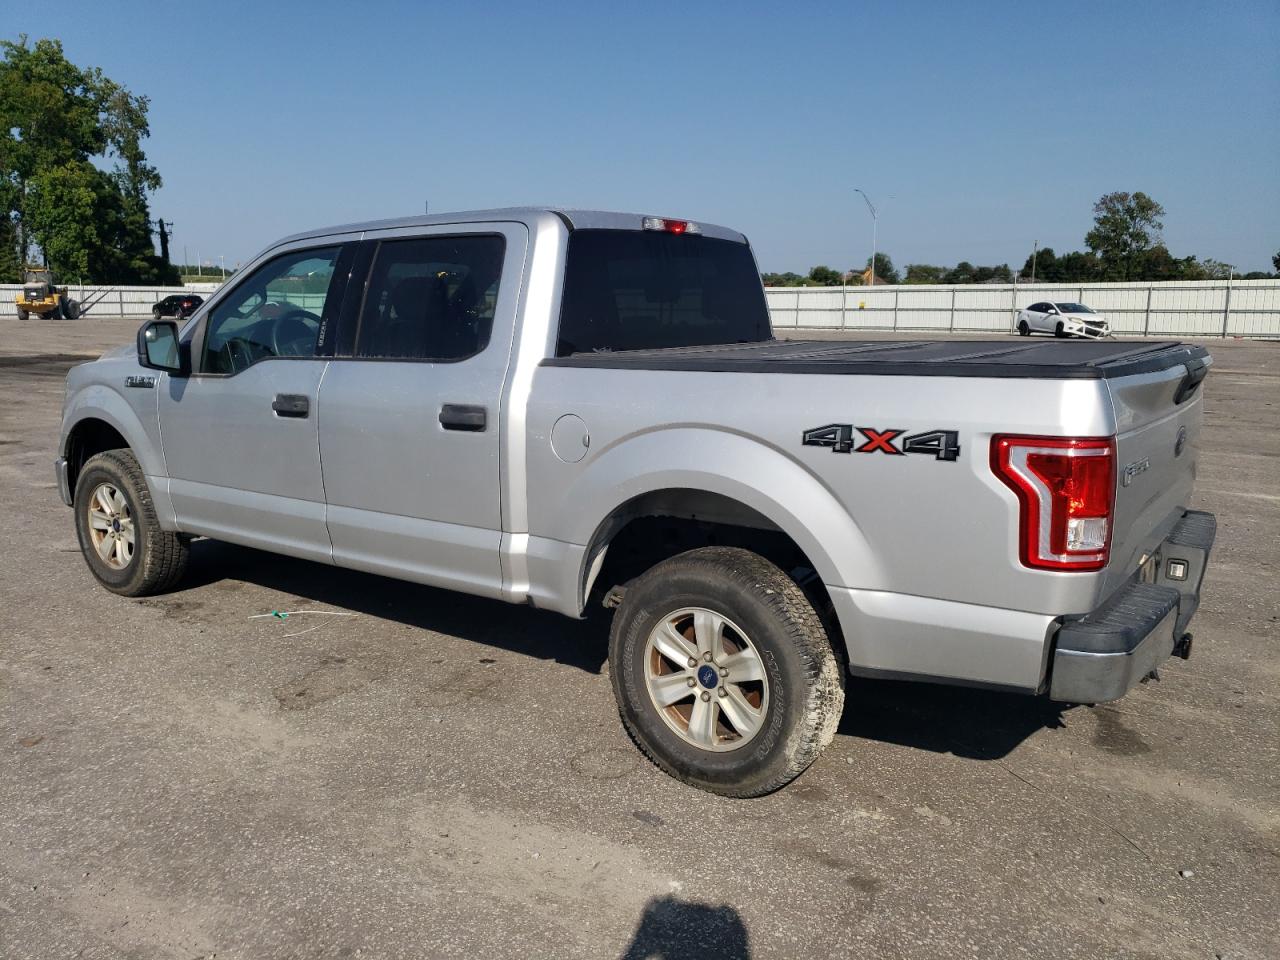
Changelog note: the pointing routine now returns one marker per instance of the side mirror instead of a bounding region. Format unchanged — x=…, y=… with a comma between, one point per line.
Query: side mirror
x=159, y=349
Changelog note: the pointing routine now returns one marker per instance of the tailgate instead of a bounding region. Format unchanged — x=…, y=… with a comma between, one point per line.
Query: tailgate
x=1158, y=415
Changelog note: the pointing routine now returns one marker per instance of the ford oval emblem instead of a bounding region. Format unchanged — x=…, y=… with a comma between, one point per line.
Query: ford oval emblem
x=1181, y=442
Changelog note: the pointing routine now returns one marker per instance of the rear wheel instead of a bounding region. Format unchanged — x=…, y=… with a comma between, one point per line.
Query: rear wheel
x=723, y=673
x=1024, y=330
x=119, y=533
x=71, y=308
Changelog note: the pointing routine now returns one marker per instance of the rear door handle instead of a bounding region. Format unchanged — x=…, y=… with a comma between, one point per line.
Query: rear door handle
x=462, y=416
x=291, y=405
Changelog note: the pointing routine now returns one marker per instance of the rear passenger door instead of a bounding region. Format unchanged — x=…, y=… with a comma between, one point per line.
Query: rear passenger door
x=409, y=410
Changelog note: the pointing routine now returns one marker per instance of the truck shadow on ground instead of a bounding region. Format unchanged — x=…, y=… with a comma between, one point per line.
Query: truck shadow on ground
x=519, y=629
x=964, y=721
x=972, y=723
x=673, y=929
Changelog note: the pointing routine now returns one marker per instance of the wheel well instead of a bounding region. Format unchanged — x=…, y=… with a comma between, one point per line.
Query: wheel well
x=89, y=438
x=658, y=525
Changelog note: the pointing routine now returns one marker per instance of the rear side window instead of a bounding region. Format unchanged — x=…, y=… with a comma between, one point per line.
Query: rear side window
x=637, y=290
x=431, y=298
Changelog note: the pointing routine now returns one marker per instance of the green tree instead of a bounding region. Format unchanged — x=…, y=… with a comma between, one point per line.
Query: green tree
x=1125, y=225
x=1042, y=265
x=924, y=273
x=824, y=276
x=60, y=124
x=885, y=271
x=1275, y=260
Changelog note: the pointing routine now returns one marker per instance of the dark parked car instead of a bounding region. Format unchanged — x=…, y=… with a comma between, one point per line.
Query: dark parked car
x=179, y=305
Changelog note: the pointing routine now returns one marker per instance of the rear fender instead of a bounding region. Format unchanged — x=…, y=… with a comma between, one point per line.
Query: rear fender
x=733, y=466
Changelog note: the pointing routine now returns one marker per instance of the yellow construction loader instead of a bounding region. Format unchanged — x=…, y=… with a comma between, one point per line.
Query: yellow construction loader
x=42, y=297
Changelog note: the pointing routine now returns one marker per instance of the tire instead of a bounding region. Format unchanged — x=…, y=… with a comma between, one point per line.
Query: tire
x=1023, y=329
x=155, y=313
x=23, y=315
x=769, y=628
x=71, y=308
x=156, y=560
x=1058, y=331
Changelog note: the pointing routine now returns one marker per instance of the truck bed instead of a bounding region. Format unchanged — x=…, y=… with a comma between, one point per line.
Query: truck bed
x=1052, y=359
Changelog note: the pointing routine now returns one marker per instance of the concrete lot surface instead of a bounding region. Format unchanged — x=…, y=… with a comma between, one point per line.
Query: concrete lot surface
x=422, y=774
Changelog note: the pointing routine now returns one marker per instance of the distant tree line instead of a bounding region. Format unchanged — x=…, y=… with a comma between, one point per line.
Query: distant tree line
x=1124, y=244
x=74, y=178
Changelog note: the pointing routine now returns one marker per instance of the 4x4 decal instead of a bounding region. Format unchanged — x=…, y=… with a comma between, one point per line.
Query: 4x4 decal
x=939, y=444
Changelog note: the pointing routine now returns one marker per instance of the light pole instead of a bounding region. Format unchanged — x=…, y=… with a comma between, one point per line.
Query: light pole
x=875, y=220
x=223, y=259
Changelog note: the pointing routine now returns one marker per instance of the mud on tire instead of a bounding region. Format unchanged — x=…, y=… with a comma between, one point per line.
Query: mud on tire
x=157, y=558
x=801, y=688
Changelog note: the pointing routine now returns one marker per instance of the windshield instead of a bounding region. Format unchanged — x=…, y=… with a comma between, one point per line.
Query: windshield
x=639, y=290
x=1072, y=308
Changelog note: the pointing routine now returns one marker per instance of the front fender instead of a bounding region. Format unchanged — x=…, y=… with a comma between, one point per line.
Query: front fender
x=134, y=417
x=732, y=465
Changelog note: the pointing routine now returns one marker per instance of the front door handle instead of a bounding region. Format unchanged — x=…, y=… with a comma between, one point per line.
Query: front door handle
x=291, y=405
x=463, y=416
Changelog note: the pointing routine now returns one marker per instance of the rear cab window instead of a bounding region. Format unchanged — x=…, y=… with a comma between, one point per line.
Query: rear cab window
x=640, y=290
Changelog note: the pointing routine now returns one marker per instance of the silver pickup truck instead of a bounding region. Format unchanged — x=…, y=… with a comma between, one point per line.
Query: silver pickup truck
x=560, y=408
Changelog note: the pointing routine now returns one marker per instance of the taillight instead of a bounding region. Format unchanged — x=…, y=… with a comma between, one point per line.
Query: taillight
x=1066, y=489
x=670, y=226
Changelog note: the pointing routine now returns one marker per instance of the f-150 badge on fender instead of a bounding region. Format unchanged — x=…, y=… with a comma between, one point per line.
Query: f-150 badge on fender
x=939, y=444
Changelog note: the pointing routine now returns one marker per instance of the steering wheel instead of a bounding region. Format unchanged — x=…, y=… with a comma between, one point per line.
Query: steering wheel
x=294, y=332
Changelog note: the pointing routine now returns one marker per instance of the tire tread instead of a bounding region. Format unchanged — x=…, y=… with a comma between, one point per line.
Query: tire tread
x=164, y=554
x=801, y=622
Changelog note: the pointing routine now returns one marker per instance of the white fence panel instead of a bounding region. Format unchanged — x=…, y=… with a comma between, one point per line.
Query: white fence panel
x=1208, y=308
x=108, y=301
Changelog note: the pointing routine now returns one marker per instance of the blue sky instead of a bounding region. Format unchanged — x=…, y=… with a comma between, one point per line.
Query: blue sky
x=990, y=126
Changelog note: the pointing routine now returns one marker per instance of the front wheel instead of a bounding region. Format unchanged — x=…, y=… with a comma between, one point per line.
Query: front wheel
x=155, y=313
x=119, y=533
x=23, y=315
x=723, y=673
x=1058, y=331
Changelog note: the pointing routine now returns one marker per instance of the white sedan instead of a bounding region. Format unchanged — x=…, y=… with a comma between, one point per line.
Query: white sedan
x=1062, y=320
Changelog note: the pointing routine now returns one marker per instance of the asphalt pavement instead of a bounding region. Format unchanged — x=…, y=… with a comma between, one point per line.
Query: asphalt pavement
x=413, y=773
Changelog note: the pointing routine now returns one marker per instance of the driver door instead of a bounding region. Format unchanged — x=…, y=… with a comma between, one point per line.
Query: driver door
x=239, y=435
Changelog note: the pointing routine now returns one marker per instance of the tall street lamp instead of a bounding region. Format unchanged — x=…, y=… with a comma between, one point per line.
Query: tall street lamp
x=875, y=219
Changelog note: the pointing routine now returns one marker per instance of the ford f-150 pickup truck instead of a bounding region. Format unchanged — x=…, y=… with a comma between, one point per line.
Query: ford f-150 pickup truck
x=559, y=408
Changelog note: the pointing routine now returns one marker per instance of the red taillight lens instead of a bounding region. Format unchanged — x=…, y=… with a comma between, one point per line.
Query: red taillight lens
x=1066, y=490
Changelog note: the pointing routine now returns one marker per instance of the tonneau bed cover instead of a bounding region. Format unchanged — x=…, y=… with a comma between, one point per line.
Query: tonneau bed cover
x=1052, y=359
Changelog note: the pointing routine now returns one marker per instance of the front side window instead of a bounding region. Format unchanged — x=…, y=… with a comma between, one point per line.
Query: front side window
x=275, y=312
x=431, y=298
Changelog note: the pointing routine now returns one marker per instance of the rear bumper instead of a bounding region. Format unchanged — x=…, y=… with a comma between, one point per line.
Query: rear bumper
x=1101, y=656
